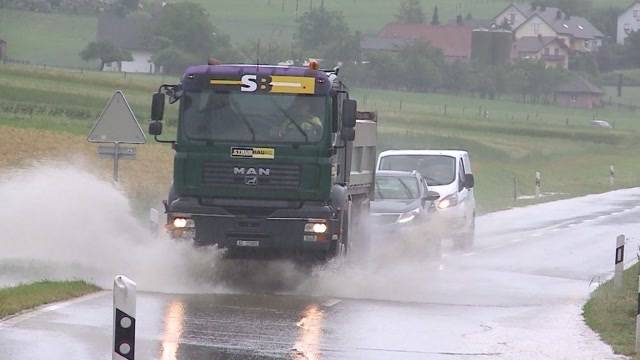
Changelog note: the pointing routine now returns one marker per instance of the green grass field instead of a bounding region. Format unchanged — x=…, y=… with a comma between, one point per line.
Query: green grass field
x=515, y=140
x=28, y=296
x=612, y=314
x=56, y=39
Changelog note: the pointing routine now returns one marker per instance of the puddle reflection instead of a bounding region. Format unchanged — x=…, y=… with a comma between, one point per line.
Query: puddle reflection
x=174, y=322
x=307, y=344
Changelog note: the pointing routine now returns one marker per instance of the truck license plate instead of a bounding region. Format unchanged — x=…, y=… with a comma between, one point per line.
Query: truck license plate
x=248, y=243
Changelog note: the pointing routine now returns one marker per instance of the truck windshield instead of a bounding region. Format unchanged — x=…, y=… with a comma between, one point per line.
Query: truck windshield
x=242, y=117
x=396, y=188
x=436, y=169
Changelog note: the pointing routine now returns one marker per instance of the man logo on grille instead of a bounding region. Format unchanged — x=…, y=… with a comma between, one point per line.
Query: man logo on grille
x=251, y=180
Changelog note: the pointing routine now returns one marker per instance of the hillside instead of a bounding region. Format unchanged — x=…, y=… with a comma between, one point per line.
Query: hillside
x=56, y=39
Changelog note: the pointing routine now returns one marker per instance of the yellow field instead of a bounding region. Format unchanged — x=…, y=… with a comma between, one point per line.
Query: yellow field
x=147, y=177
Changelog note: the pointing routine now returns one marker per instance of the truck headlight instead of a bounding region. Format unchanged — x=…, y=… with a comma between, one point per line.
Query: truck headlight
x=316, y=228
x=180, y=223
x=408, y=216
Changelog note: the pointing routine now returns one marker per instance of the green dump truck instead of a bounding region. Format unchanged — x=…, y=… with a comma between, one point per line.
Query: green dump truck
x=269, y=160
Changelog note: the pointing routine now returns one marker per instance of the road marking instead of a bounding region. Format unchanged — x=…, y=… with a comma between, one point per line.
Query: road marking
x=516, y=240
x=469, y=254
x=331, y=303
x=536, y=234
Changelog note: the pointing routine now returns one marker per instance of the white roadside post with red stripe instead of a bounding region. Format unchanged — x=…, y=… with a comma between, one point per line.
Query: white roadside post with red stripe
x=124, y=318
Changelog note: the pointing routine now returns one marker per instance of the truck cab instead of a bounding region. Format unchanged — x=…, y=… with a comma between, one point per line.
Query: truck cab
x=264, y=158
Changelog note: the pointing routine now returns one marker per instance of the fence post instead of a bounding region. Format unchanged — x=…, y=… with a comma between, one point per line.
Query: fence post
x=619, y=263
x=612, y=175
x=124, y=318
x=538, y=184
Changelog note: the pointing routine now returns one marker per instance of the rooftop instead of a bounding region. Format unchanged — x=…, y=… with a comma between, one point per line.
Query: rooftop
x=454, y=40
x=561, y=22
x=534, y=44
x=579, y=86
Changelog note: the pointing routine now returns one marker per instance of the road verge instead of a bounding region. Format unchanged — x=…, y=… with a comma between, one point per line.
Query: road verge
x=612, y=314
x=28, y=296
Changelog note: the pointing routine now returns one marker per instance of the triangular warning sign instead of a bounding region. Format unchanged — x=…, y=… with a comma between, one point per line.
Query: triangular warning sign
x=117, y=124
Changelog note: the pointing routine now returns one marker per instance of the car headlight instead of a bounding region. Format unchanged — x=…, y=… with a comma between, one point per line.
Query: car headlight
x=448, y=201
x=316, y=228
x=408, y=216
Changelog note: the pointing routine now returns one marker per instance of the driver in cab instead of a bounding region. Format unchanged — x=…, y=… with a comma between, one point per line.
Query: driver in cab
x=302, y=119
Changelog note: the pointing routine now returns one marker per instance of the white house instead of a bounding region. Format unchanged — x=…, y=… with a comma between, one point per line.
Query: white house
x=536, y=20
x=628, y=21
x=129, y=34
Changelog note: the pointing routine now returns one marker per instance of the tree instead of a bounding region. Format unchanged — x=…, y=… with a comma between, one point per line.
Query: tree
x=410, y=12
x=104, y=51
x=183, y=35
x=632, y=49
x=325, y=34
x=420, y=66
x=606, y=19
x=270, y=52
x=435, y=20
x=571, y=7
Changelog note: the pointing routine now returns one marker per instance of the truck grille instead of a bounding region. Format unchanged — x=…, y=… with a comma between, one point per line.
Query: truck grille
x=271, y=176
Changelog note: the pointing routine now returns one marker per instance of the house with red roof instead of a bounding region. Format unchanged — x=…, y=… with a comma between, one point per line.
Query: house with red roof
x=454, y=40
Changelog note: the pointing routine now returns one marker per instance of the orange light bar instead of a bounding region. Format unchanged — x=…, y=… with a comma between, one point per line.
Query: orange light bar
x=314, y=65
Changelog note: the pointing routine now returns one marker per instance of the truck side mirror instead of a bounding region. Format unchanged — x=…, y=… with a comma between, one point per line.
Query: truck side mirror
x=349, y=112
x=469, y=181
x=157, y=107
x=348, y=134
x=155, y=128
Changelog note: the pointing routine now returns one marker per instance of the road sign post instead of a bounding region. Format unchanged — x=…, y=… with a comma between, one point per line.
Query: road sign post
x=117, y=124
x=124, y=318
x=619, y=262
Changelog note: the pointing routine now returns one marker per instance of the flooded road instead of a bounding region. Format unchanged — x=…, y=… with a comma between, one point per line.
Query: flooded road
x=516, y=295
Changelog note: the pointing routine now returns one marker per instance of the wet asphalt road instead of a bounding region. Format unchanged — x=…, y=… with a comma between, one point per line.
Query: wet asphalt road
x=516, y=295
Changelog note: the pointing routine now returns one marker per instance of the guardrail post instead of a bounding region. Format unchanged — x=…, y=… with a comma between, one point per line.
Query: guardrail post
x=124, y=318
x=619, y=261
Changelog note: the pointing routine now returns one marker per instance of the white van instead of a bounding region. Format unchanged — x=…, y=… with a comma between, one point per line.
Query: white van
x=448, y=172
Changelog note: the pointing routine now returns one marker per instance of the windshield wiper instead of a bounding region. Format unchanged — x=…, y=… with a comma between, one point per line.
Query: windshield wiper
x=248, y=125
x=306, y=137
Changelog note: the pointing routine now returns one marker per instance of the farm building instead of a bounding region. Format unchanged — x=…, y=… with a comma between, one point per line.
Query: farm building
x=453, y=40
x=553, y=51
x=579, y=93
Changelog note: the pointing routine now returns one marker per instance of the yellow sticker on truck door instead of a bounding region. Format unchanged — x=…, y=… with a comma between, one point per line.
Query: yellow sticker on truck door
x=253, y=153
